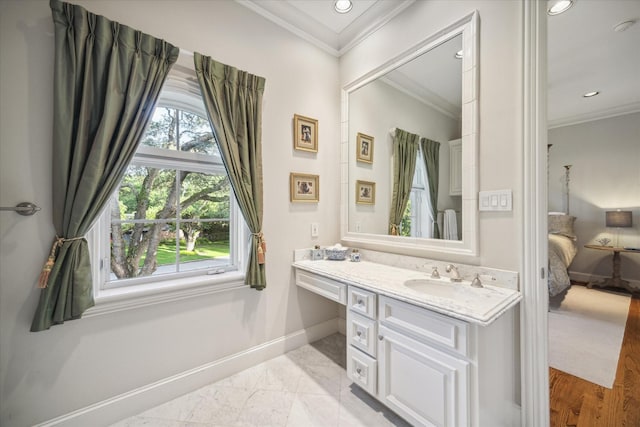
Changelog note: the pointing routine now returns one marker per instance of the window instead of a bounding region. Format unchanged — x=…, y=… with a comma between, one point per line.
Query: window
x=173, y=220
x=416, y=220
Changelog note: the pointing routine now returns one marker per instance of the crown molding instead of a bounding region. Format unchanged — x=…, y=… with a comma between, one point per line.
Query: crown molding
x=607, y=113
x=336, y=44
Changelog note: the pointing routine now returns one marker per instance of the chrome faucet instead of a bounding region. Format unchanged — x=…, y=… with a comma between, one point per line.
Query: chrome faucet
x=435, y=274
x=455, y=276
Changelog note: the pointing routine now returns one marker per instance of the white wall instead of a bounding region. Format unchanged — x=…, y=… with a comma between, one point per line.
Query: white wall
x=46, y=374
x=373, y=110
x=605, y=175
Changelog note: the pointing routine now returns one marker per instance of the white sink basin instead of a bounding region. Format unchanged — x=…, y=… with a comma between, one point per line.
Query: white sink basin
x=436, y=288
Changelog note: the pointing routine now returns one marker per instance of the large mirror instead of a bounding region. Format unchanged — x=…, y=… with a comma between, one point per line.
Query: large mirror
x=429, y=92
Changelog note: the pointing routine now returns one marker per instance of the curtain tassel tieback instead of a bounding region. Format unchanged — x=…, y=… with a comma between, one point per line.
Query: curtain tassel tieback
x=48, y=266
x=394, y=229
x=262, y=246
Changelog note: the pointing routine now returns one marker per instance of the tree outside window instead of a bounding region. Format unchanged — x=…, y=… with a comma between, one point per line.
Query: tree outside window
x=172, y=210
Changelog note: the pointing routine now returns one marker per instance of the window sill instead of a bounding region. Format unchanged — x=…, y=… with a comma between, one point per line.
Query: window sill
x=133, y=297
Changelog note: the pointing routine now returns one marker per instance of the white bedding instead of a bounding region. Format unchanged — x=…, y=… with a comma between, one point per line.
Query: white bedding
x=562, y=250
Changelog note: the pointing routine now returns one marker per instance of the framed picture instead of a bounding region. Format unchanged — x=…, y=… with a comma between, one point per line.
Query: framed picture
x=365, y=192
x=364, y=147
x=304, y=188
x=305, y=133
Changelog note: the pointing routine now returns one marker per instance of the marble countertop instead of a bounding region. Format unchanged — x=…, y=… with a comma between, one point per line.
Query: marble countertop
x=475, y=305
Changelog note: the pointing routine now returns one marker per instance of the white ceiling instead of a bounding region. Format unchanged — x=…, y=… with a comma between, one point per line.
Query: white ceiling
x=585, y=53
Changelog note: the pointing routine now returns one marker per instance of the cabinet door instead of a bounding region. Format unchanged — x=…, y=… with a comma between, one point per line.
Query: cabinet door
x=423, y=385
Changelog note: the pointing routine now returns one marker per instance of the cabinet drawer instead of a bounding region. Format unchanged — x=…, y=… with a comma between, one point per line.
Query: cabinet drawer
x=361, y=333
x=362, y=370
x=322, y=286
x=362, y=302
x=424, y=325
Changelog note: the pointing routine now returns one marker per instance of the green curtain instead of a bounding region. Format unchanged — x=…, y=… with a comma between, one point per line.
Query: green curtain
x=430, y=153
x=405, y=150
x=107, y=79
x=233, y=100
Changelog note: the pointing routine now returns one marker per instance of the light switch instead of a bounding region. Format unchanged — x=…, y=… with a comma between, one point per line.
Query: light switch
x=498, y=200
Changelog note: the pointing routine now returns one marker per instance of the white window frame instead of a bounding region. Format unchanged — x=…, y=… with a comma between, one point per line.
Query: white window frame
x=180, y=91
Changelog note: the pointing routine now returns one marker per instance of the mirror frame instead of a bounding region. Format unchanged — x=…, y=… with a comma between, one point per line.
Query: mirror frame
x=468, y=246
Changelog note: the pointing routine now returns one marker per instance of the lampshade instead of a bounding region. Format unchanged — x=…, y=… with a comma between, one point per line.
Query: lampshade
x=618, y=218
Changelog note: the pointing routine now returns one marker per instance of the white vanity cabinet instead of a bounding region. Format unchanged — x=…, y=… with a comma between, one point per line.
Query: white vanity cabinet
x=435, y=361
x=455, y=167
x=427, y=366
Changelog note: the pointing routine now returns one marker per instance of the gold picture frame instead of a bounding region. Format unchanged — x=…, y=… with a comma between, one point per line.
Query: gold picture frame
x=304, y=187
x=305, y=133
x=364, y=148
x=365, y=192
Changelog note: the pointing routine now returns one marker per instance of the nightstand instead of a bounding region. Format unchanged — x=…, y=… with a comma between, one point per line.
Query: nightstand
x=615, y=280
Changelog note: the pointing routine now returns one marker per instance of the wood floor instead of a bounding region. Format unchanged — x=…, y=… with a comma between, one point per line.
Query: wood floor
x=576, y=402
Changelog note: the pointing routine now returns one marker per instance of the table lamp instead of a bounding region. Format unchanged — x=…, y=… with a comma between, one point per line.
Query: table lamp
x=618, y=219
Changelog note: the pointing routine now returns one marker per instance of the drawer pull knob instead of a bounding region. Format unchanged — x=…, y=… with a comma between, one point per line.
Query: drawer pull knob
x=360, y=302
x=359, y=333
x=359, y=371
x=380, y=337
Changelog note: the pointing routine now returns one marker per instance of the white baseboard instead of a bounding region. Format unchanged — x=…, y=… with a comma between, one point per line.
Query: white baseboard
x=587, y=277
x=140, y=399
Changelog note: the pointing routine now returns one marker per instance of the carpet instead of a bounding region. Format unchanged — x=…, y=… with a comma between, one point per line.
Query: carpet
x=585, y=333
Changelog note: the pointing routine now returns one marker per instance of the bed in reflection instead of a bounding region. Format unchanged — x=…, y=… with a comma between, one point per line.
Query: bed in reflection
x=562, y=250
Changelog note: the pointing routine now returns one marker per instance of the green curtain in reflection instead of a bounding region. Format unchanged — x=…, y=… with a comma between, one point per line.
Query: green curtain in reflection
x=430, y=153
x=405, y=150
x=233, y=100
x=107, y=78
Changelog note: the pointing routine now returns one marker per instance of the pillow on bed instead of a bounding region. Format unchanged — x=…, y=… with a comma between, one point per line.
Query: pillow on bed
x=563, y=225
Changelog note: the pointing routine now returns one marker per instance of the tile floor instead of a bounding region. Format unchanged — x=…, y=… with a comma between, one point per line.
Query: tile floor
x=305, y=387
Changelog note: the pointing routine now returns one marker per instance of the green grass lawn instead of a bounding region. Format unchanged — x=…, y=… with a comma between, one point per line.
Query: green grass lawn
x=205, y=250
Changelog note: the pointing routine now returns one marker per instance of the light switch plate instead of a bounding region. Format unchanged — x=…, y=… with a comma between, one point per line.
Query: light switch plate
x=497, y=200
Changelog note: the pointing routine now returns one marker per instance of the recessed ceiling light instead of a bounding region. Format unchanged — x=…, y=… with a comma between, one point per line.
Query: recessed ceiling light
x=458, y=54
x=343, y=6
x=559, y=6
x=590, y=94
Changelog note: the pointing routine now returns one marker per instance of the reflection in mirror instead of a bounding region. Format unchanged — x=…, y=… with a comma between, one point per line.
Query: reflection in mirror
x=424, y=99
x=430, y=94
